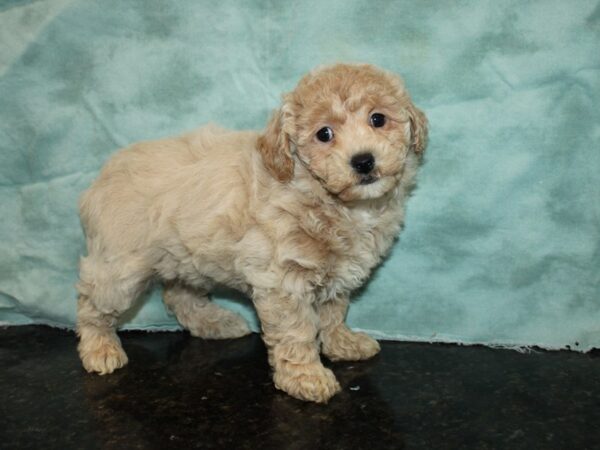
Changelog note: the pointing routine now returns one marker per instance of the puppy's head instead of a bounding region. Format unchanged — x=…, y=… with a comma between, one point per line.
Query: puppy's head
x=351, y=126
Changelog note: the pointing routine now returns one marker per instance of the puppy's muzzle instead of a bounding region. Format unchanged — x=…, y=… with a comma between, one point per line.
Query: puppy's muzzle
x=363, y=164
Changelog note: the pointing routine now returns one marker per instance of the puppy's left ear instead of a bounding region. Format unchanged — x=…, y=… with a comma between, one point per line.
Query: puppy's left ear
x=418, y=129
x=274, y=144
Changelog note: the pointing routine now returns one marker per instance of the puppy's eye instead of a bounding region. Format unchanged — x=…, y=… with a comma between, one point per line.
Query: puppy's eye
x=325, y=134
x=377, y=120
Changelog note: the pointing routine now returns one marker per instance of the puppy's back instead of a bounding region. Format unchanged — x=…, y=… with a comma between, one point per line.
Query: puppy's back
x=144, y=188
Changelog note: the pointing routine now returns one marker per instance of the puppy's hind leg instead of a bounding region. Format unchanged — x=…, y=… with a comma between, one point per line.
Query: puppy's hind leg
x=106, y=290
x=200, y=316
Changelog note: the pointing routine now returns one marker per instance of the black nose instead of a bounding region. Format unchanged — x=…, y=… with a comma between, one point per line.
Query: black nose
x=363, y=163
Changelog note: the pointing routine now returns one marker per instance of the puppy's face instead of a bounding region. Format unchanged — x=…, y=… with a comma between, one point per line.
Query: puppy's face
x=351, y=127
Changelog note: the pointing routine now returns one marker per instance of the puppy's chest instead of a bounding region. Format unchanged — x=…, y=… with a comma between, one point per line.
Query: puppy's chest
x=355, y=248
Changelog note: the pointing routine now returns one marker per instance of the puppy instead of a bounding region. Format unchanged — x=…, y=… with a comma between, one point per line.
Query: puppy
x=296, y=217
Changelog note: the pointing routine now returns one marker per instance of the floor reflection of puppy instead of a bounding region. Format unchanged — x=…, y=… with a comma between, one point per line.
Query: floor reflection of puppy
x=295, y=217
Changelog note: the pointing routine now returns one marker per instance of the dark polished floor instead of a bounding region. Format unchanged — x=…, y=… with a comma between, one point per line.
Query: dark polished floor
x=182, y=392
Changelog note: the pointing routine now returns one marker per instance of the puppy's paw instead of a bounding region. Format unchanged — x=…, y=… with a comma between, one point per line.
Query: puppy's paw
x=103, y=355
x=342, y=344
x=311, y=382
x=226, y=325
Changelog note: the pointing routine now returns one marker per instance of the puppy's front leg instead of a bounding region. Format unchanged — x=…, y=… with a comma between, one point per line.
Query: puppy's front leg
x=290, y=326
x=339, y=342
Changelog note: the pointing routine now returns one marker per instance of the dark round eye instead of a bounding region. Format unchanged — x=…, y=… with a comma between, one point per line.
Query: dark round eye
x=325, y=134
x=377, y=120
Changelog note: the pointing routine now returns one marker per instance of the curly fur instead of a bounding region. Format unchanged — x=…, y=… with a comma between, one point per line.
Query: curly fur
x=278, y=215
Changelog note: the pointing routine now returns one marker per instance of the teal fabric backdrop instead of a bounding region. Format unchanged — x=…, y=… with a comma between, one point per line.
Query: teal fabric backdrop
x=502, y=239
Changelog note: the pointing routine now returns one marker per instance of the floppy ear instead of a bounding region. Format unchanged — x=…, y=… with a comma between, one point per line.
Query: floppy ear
x=418, y=129
x=274, y=146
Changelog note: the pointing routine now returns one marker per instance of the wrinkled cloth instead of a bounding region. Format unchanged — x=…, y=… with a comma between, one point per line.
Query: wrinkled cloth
x=502, y=238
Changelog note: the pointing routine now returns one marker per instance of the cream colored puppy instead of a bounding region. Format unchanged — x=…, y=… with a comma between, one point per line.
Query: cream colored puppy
x=295, y=217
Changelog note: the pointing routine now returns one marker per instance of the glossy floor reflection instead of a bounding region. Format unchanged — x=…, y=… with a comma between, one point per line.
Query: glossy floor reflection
x=182, y=392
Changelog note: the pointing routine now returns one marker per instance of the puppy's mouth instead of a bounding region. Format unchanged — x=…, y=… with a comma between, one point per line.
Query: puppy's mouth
x=368, y=187
x=368, y=179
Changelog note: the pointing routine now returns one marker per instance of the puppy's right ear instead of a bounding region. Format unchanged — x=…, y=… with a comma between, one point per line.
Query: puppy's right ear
x=275, y=147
